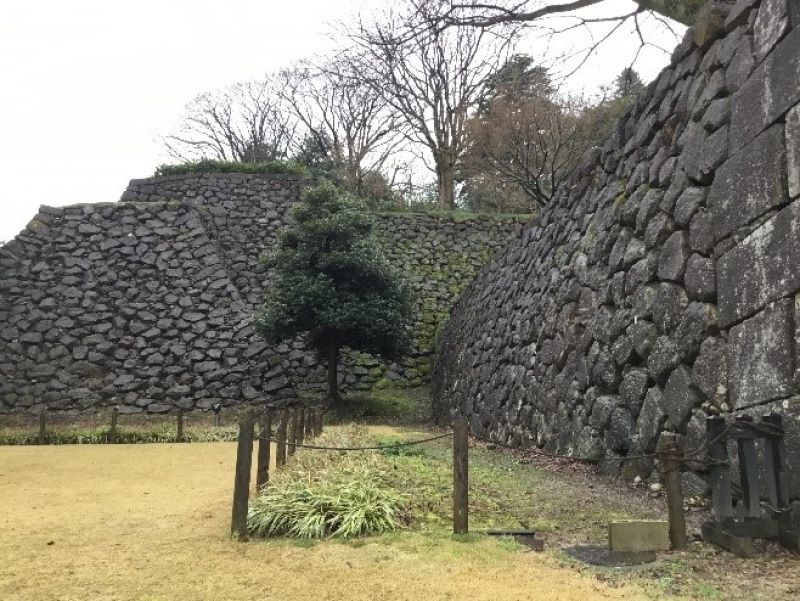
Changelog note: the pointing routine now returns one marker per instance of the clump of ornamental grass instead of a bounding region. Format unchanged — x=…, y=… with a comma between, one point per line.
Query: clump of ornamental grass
x=331, y=494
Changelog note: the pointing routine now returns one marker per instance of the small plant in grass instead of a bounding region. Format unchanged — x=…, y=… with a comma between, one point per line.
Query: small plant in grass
x=390, y=447
x=322, y=509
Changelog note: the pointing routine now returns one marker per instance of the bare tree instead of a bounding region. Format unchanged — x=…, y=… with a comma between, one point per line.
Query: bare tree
x=487, y=14
x=346, y=121
x=243, y=122
x=433, y=81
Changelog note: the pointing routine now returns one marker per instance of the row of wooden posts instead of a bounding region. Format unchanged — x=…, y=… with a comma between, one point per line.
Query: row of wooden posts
x=113, y=430
x=303, y=423
x=293, y=427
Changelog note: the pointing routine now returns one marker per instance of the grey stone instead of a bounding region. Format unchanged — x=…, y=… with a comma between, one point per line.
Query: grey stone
x=642, y=335
x=710, y=371
x=680, y=396
x=771, y=25
x=700, y=278
x=768, y=94
x=651, y=418
x=633, y=388
x=663, y=359
x=750, y=183
x=761, y=356
x=688, y=203
x=762, y=268
x=670, y=304
x=673, y=257
x=793, y=150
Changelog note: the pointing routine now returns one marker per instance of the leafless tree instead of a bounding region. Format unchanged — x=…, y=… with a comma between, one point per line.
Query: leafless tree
x=243, y=122
x=433, y=81
x=345, y=119
x=614, y=22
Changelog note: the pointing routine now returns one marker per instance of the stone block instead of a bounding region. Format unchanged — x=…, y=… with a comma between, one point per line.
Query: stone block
x=749, y=183
x=769, y=93
x=793, y=151
x=761, y=354
x=674, y=254
x=638, y=535
x=700, y=278
x=771, y=25
x=762, y=268
x=680, y=396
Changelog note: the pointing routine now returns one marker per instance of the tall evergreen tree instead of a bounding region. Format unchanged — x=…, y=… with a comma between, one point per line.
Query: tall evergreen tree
x=332, y=284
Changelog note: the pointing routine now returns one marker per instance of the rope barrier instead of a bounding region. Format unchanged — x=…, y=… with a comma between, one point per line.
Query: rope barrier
x=370, y=448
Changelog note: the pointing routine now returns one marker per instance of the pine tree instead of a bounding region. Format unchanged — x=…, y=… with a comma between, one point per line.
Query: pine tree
x=332, y=283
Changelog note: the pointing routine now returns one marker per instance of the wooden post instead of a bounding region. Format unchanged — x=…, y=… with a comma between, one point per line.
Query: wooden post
x=241, y=484
x=775, y=459
x=672, y=458
x=292, y=434
x=179, y=433
x=309, y=423
x=301, y=426
x=721, y=499
x=460, y=476
x=280, y=450
x=318, y=421
x=264, y=434
x=43, y=426
x=748, y=468
x=112, y=433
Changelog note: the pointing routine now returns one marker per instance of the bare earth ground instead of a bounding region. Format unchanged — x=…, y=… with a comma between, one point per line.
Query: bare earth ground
x=150, y=523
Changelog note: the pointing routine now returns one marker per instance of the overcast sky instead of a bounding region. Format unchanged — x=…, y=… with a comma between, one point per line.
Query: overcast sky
x=88, y=86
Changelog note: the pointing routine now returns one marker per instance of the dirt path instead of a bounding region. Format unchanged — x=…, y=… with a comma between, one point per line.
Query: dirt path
x=150, y=523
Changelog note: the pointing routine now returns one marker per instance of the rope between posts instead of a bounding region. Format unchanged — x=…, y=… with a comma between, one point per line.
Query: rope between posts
x=370, y=448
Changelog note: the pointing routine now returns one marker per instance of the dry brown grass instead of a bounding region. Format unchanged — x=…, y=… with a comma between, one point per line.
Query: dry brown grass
x=150, y=523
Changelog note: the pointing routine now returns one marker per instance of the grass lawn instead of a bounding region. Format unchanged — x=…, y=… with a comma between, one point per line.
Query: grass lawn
x=150, y=522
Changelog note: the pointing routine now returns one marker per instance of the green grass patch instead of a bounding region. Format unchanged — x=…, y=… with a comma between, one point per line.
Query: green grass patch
x=212, y=166
x=81, y=433
x=396, y=406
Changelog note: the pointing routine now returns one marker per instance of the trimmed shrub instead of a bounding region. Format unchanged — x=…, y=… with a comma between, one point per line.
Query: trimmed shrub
x=212, y=166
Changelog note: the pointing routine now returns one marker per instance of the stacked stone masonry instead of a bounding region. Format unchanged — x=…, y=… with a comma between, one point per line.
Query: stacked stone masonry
x=662, y=284
x=147, y=303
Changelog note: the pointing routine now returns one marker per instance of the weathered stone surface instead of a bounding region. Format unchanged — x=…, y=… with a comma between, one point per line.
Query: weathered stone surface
x=148, y=304
x=680, y=396
x=663, y=359
x=700, y=278
x=762, y=268
x=771, y=25
x=710, y=371
x=761, y=353
x=769, y=93
x=651, y=419
x=750, y=183
x=793, y=150
x=672, y=259
x=638, y=536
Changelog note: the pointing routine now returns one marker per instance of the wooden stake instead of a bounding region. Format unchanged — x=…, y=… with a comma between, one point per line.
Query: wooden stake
x=460, y=476
x=112, y=433
x=43, y=426
x=280, y=449
x=672, y=458
x=720, y=469
x=264, y=434
x=309, y=423
x=300, y=432
x=241, y=483
x=179, y=433
x=292, y=434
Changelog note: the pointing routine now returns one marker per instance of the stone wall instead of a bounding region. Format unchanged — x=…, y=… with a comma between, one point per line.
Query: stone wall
x=660, y=286
x=146, y=303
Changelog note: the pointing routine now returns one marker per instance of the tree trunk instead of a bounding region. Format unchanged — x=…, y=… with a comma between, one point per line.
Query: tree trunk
x=446, y=175
x=333, y=382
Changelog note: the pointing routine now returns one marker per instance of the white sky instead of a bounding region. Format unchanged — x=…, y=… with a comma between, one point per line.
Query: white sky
x=88, y=86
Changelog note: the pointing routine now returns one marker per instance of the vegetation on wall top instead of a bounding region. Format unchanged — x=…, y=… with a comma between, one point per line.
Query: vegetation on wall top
x=214, y=166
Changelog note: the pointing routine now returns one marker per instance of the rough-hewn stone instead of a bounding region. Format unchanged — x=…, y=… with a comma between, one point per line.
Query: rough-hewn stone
x=761, y=356
x=750, y=183
x=762, y=268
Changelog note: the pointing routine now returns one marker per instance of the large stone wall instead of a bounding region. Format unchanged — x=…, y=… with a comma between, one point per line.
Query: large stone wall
x=661, y=285
x=146, y=303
